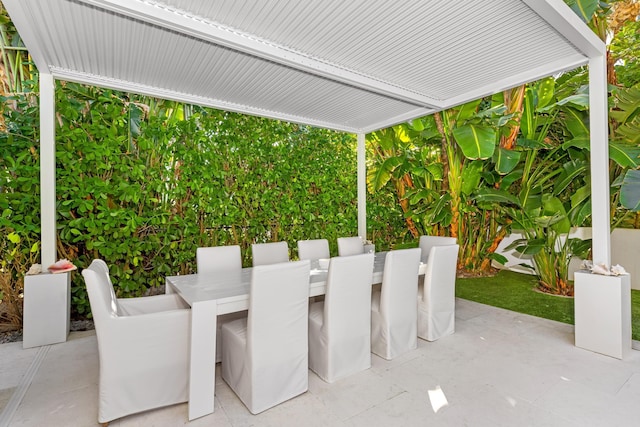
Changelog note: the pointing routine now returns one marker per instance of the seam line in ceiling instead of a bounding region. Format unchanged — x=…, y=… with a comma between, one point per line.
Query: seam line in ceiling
x=126, y=86
x=281, y=48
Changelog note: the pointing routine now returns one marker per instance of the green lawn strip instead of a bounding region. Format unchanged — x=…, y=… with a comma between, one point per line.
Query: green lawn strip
x=515, y=292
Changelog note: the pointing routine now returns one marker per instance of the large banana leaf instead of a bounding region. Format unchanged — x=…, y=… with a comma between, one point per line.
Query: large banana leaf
x=505, y=160
x=579, y=215
x=493, y=195
x=570, y=171
x=627, y=113
x=624, y=155
x=527, y=246
x=576, y=122
x=467, y=110
x=436, y=170
x=421, y=195
x=630, y=132
x=580, y=195
x=546, y=91
x=439, y=213
x=476, y=142
x=378, y=177
x=627, y=104
x=554, y=214
x=584, y=8
x=511, y=177
x=471, y=174
x=630, y=191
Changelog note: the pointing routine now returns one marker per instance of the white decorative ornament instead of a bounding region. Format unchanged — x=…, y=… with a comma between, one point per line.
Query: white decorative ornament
x=34, y=269
x=586, y=264
x=618, y=270
x=600, y=269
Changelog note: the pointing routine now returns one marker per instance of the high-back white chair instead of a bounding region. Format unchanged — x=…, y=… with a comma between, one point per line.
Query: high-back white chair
x=340, y=326
x=394, y=309
x=313, y=249
x=140, y=369
x=427, y=242
x=269, y=253
x=437, y=296
x=348, y=246
x=215, y=260
x=218, y=258
x=265, y=356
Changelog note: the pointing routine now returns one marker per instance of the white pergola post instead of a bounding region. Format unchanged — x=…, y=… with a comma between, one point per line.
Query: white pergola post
x=362, y=187
x=602, y=303
x=599, y=128
x=47, y=170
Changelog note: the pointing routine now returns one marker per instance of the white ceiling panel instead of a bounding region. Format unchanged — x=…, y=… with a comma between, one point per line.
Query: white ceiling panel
x=350, y=65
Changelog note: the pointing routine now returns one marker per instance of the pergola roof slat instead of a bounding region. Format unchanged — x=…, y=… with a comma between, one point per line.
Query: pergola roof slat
x=353, y=66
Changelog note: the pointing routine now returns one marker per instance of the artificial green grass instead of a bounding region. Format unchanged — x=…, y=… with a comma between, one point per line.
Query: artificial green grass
x=516, y=292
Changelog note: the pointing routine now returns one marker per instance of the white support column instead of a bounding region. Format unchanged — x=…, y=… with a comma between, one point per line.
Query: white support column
x=362, y=187
x=47, y=170
x=599, y=128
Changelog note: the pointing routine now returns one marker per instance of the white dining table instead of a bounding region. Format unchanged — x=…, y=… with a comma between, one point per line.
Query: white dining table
x=213, y=294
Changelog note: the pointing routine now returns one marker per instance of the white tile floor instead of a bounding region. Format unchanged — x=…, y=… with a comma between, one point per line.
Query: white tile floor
x=500, y=368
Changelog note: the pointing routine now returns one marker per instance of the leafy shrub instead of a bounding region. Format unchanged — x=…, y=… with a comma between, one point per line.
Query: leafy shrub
x=141, y=183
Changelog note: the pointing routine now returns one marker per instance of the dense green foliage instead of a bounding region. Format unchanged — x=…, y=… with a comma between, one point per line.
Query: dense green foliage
x=519, y=159
x=141, y=184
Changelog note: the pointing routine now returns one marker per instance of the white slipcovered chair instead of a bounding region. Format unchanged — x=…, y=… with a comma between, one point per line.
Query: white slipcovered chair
x=313, y=249
x=437, y=295
x=143, y=347
x=427, y=242
x=348, y=246
x=220, y=259
x=340, y=326
x=394, y=309
x=269, y=253
x=265, y=356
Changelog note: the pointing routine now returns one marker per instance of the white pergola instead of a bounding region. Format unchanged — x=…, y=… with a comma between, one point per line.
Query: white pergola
x=354, y=66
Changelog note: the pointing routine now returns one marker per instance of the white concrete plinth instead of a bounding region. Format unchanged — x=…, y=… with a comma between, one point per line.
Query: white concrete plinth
x=603, y=313
x=47, y=306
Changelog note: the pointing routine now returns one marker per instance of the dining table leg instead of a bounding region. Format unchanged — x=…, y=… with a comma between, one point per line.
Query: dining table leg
x=202, y=358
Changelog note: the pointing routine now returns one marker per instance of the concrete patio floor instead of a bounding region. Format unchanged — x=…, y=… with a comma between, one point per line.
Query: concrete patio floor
x=500, y=368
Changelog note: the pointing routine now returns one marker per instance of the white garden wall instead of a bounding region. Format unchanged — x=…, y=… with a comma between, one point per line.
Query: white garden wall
x=625, y=250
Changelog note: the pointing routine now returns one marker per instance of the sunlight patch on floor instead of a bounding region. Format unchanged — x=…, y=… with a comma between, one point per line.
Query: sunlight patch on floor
x=438, y=399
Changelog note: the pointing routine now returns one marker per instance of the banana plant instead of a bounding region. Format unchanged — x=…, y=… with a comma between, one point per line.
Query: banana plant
x=627, y=113
x=545, y=191
x=544, y=214
x=395, y=155
x=435, y=165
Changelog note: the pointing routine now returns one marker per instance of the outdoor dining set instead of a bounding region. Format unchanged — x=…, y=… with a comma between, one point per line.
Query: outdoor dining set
x=268, y=324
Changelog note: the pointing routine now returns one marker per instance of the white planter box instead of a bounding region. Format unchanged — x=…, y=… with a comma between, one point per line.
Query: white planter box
x=603, y=313
x=47, y=305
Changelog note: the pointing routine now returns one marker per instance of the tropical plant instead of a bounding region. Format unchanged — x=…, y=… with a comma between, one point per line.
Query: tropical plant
x=627, y=114
x=435, y=165
x=17, y=257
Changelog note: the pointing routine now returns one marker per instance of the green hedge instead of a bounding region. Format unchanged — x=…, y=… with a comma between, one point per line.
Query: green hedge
x=142, y=183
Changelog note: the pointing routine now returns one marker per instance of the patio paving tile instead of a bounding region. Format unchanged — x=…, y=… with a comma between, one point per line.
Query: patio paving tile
x=499, y=369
